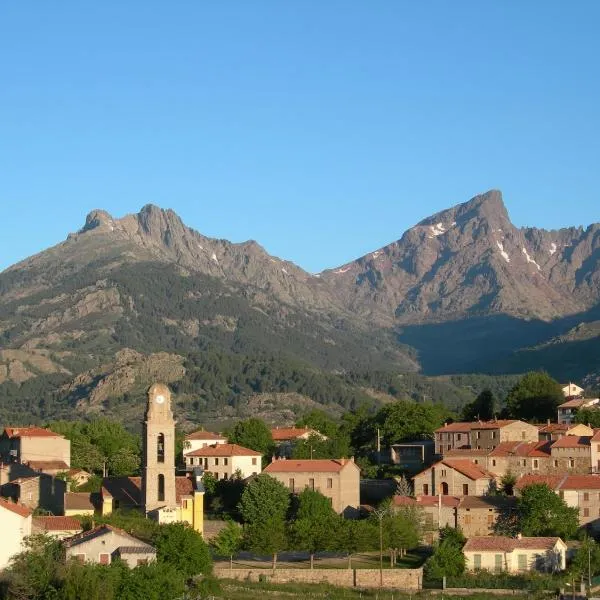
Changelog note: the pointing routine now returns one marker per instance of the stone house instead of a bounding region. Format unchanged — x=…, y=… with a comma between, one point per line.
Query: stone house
x=56, y=527
x=42, y=449
x=554, y=431
x=286, y=437
x=224, y=460
x=477, y=515
x=595, y=452
x=337, y=479
x=15, y=525
x=201, y=439
x=520, y=458
x=36, y=491
x=105, y=543
x=453, y=477
x=452, y=436
x=413, y=456
x=572, y=454
x=515, y=555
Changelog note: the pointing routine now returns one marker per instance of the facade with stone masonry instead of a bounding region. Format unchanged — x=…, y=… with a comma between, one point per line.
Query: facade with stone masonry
x=225, y=460
x=15, y=525
x=482, y=435
x=42, y=449
x=336, y=479
x=34, y=490
x=515, y=555
x=454, y=477
x=101, y=545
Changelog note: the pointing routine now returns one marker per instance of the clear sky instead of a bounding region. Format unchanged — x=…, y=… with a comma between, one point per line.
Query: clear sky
x=321, y=128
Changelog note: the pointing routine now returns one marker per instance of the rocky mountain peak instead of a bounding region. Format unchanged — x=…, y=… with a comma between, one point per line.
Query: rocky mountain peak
x=97, y=218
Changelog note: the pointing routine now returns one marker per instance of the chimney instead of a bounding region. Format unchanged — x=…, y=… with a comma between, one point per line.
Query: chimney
x=548, y=422
x=519, y=536
x=342, y=461
x=352, y=459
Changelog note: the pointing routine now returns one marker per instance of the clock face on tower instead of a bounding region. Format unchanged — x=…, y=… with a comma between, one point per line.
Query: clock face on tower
x=159, y=399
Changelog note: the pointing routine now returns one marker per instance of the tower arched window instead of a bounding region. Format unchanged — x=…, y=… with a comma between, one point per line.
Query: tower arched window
x=160, y=448
x=161, y=488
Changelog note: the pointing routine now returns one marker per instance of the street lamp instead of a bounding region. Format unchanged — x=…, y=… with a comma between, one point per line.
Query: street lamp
x=380, y=513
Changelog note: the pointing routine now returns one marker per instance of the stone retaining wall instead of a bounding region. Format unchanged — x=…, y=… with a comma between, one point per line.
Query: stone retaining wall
x=401, y=579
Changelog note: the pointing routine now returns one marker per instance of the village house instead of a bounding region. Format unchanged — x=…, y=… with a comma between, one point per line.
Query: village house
x=201, y=439
x=572, y=454
x=568, y=410
x=286, y=438
x=103, y=544
x=15, y=525
x=35, y=491
x=482, y=435
x=477, y=515
x=223, y=461
x=41, y=449
x=453, y=477
x=413, y=456
x=515, y=555
x=78, y=477
x=571, y=390
x=595, y=453
x=336, y=479
x=554, y=431
x=56, y=527
x=80, y=504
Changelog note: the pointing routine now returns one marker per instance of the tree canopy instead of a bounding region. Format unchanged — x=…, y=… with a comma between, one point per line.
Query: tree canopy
x=263, y=499
x=252, y=433
x=534, y=398
x=484, y=407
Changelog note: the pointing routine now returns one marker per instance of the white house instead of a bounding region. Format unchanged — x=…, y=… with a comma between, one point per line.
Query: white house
x=223, y=460
x=201, y=439
x=570, y=390
x=15, y=525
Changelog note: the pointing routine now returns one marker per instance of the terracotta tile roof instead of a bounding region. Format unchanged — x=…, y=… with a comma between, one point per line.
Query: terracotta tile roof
x=460, y=427
x=447, y=501
x=317, y=465
x=77, y=472
x=596, y=436
x=101, y=530
x=78, y=501
x=552, y=481
x=498, y=424
x=205, y=435
x=573, y=403
x=572, y=441
x=487, y=502
x=48, y=465
x=57, y=523
x=504, y=449
x=403, y=501
x=553, y=427
x=281, y=434
x=17, y=432
x=129, y=489
x=223, y=450
x=506, y=544
x=580, y=482
x=468, y=469
x=18, y=509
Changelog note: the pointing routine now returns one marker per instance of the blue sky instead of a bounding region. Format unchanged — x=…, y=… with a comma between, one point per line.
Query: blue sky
x=321, y=129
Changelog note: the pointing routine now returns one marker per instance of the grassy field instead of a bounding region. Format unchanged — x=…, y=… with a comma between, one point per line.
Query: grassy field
x=412, y=560
x=235, y=590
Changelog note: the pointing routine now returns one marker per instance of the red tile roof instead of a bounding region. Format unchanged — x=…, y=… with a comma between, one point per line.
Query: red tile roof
x=223, y=450
x=17, y=432
x=57, y=523
x=205, y=435
x=468, y=469
x=580, y=482
x=460, y=427
x=48, y=465
x=78, y=501
x=506, y=544
x=504, y=449
x=281, y=434
x=465, y=452
x=447, y=501
x=572, y=441
x=318, y=465
x=493, y=424
x=573, y=403
x=18, y=509
x=552, y=481
x=403, y=501
x=553, y=427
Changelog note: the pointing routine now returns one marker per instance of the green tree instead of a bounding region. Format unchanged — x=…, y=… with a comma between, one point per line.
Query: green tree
x=586, y=562
x=402, y=529
x=507, y=483
x=535, y=398
x=403, y=486
x=228, y=541
x=254, y=434
x=588, y=416
x=544, y=513
x=92, y=582
x=316, y=447
x=356, y=536
x=177, y=544
x=154, y=581
x=315, y=524
x=124, y=462
x=483, y=408
x=447, y=559
x=320, y=421
x=266, y=537
x=264, y=499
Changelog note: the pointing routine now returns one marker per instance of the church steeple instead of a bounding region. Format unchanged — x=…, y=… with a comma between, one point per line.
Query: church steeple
x=158, y=469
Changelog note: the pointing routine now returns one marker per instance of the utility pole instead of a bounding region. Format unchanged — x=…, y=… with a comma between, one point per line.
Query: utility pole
x=589, y=567
x=380, y=513
x=378, y=447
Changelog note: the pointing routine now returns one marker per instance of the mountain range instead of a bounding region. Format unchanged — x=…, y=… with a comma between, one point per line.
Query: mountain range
x=84, y=325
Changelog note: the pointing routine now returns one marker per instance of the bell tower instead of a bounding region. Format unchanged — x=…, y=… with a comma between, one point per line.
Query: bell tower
x=158, y=474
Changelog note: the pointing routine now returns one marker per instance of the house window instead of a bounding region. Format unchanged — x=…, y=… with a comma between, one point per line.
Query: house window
x=425, y=489
x=586, y=496
x=493, y=462
x=561, y=494
x=329, y=483
x=522, y=562
x=225, y=461
x=556, y=464
x=467, y=519
x=490, y=519
x=161, y=488
x=311, y=483
x=253, y=461
x=476, y=461
x=479, y=435
x=443, y=472
x=160, y=448
x=291, y=484
x=535, y=463
x=493, y=435
x=216, y=462
x=477, y=561
x=523, y=435
x=225, y=476
x=80, y=557
x=185, y=504
x=498, y=562
x=465, y=489
x=524, y=462
x=571, y=463
x=449, y=447
x=598, y=447
x=104, y=558
x=586, y=512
